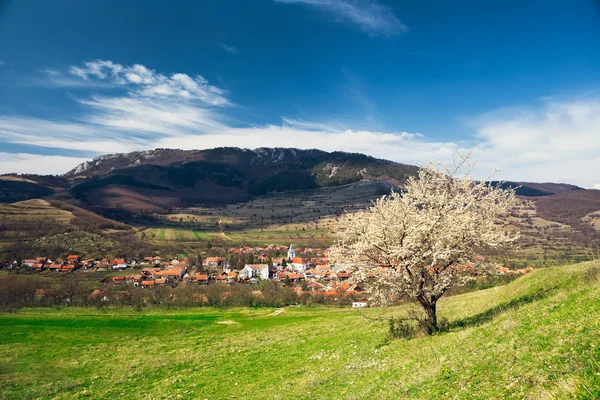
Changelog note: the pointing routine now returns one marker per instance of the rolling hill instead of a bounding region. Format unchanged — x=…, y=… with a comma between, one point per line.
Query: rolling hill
x=534, y=338
x=266, y=194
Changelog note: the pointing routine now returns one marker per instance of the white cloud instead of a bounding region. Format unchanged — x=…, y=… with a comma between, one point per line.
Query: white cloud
x=368, y=15
x=229, y=49
x=37, y=164
x=67, y=135
x=554, y=141
x=147, y=82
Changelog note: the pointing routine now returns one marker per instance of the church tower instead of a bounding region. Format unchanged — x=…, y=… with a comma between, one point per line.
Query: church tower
x=291, y=252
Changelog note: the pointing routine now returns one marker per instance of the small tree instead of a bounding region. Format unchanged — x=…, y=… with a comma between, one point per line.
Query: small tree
x=428, y=239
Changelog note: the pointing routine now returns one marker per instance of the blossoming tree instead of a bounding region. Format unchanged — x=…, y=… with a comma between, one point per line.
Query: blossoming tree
x=427, y=239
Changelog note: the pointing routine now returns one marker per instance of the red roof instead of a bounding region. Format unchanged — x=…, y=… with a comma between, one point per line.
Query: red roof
x=168, y=272
x=298, y=260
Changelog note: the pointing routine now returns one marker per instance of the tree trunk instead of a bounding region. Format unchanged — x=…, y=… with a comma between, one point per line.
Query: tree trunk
x=431, y=311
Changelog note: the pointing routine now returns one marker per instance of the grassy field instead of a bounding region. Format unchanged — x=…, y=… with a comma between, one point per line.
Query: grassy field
x=271, y=235
x=535, y=338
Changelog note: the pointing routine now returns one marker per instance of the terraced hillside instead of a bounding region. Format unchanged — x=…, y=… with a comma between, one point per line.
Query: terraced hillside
x=534, y=338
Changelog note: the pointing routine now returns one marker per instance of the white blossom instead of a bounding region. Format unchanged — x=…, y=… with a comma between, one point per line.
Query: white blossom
x=427, y=239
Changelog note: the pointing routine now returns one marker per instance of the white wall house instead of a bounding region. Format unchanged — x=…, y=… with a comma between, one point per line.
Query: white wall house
x=259, y=271
x=298, y=265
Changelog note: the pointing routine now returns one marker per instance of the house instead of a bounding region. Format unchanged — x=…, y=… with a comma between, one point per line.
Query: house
x=360, y=304
x=298, y=264
x=281, y=275
x=202, y=278
x=118, y=263
x=67, y=268
x=73, y=258
x=28, y=263
x=160, y=281
x=232, y=277
x=55, y=266
x=315, y=286
x=173, y=273
x=156, y=260
x=343, y=275
x=147, y=283
x=277, y=262
x=260, y=271
x=37, y=266
x=212, y=262
x=119, y=278
x=295, y=277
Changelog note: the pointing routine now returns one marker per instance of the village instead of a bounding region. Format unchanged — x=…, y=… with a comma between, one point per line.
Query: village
x=310, y=273
x=305, y=270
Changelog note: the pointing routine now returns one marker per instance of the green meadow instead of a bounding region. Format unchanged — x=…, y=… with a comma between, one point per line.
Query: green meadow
x=537, y=337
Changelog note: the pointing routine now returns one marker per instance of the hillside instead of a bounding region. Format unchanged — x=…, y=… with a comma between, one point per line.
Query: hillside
x=25, y=187
x=52, y=227
x=261, y=196
x=161, y=179
x=536, y=337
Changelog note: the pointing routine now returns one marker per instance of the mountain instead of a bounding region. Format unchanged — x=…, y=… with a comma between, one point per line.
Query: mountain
x=260, y=195
x=533, y=189
x=160, y=179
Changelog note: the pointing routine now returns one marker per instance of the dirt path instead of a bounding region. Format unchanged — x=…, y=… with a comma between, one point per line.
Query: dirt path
x=221, y=231
x=276, y=312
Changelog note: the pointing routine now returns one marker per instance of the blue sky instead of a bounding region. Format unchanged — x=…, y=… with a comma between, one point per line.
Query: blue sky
x=411, y=81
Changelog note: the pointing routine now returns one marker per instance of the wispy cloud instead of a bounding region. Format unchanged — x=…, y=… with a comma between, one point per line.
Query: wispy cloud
x=146, y=82
x=229, y=49
x=368, y=15
x=556, y=140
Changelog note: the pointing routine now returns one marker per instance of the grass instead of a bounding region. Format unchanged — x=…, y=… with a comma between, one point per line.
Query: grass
x=537, y=337
x=277, y=235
